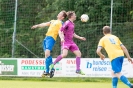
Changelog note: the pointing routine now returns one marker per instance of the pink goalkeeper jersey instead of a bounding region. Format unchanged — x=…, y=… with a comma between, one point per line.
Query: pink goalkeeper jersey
x=68, y=30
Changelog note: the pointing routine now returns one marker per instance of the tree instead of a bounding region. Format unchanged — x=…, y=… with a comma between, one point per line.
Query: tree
x=32, y=12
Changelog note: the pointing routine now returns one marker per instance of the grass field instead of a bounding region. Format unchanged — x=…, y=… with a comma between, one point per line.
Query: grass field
x=51, y=84
x=65, y=82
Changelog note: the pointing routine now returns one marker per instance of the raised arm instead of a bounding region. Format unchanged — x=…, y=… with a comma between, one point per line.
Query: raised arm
x=40, y=25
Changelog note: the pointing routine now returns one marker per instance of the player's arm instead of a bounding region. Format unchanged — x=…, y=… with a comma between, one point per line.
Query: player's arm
x=41, y=25
x=61, y=31
x=78, y=37
x=99, y=52
x=99, y=48
x=126, y=53
x=61, y=35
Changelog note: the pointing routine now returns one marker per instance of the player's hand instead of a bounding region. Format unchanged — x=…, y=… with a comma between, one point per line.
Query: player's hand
x=102, y=57
x=83, y=38
x=35, y=26
x=130, y=60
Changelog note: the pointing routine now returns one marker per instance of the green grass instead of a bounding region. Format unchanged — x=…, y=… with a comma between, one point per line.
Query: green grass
x=60, y=79
x=46, y=84
x=67, y=82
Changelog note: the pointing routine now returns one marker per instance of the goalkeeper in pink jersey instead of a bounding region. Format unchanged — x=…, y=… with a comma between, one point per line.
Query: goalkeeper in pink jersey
x=67, y=34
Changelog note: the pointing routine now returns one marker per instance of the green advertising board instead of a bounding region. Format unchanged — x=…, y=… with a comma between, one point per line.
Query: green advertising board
x=8, y=67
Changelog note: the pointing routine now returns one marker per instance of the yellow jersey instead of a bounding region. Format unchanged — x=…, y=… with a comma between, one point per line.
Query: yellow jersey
x=112, y=45
x=54, y=28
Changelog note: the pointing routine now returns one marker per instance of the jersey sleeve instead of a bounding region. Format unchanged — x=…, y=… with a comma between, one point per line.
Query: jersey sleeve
x=64, y=26
x=101, y=43
x=119, y=42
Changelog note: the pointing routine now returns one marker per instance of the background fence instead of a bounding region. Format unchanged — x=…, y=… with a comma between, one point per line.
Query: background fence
x=28, y=43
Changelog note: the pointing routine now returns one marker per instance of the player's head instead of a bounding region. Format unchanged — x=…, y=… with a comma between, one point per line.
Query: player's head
x=106, y=30
x=71, y=15
x=62, y=15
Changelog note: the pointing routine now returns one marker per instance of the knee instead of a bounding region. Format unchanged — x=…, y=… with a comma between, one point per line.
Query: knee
x=47, y=54
x=113, y=74
x=79, y=54
x=118, y=75
x=64, y=55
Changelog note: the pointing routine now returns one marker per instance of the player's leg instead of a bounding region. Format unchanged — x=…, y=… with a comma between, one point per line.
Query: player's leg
x=48, y=46
x=74, y=48
x=114, y=80
x=124, y=79
x=117, y=67
x=78, y=56
x=64, y=54
x=44, y=48
x=48, y=60
x=65, y=48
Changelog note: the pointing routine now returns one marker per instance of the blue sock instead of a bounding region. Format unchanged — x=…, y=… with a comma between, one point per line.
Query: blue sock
x=114, y=82
x=47, y=65
x=125, y=80
x=48, y=61
x=51, y=61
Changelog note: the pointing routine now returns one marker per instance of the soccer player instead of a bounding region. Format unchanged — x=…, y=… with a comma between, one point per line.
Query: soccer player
x=51, y=35
x=115, y=50
x=66, y=34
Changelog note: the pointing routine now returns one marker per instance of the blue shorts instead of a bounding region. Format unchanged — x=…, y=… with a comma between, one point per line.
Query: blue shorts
x=48, y=43
x=117, y=64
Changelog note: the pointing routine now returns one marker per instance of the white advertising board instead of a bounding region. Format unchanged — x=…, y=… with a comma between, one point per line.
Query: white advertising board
x=92, y=67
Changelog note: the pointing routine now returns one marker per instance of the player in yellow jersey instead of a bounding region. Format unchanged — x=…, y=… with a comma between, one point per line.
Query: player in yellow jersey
x=115, y=50
x=51, y=35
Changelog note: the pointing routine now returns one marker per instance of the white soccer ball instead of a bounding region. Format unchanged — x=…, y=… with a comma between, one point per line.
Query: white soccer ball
x=84, y=18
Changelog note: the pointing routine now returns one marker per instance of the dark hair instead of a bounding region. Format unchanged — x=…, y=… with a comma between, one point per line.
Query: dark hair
x=70, y=13
x=106, y=29
x=64, y=13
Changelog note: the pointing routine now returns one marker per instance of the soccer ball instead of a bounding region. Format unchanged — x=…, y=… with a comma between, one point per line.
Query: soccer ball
x=84, y=18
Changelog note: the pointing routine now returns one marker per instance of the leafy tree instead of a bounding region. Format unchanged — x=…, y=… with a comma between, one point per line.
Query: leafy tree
x=32, y=12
